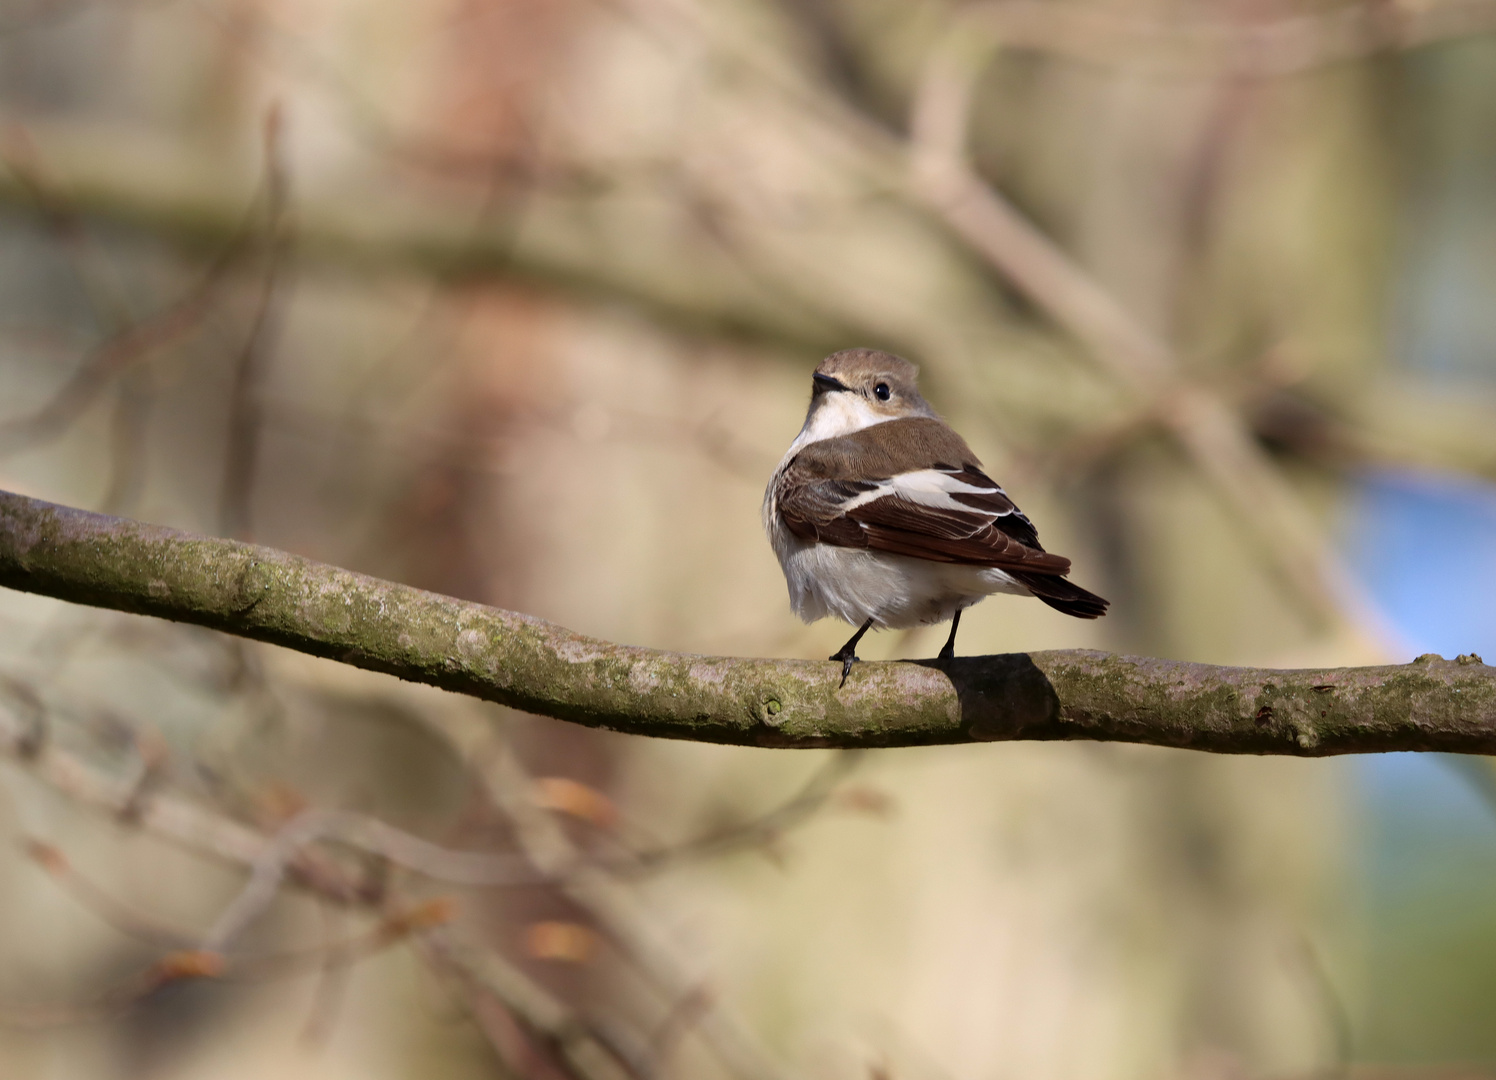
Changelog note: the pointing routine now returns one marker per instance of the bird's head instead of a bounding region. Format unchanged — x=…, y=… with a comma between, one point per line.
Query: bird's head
x=856, y=388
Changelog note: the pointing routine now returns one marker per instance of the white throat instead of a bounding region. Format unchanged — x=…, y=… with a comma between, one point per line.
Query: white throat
x=836, y=414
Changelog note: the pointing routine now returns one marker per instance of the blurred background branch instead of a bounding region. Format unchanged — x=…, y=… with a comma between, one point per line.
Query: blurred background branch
x=515, y=301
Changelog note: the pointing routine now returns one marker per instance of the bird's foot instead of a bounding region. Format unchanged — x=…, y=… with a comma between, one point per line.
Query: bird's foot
x=847, y=658
x=847, y=654
x=949, y=651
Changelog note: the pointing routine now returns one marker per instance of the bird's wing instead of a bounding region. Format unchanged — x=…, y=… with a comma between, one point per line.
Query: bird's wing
x=942, y=513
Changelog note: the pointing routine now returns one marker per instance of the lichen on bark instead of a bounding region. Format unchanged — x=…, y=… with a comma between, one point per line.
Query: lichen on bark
x=518, y=660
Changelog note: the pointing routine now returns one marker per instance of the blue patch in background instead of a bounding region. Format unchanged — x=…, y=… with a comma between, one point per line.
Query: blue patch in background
x=1424, y=546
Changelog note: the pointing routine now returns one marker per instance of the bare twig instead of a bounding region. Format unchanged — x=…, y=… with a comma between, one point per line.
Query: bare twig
x=399, y=924
x=333, y=953
x=596, y=891
x=545, y=1019
x=246, y=405
x=99, y=288
x=678, y=1022
x=1209, y=430
x=45, y=14
x=587, y=421
x=1201, y=48
x=113, y=356
x=129, y=341
x=202, y=831
x=332, y=983
x=759, y=831
x=127, y=459
x=184, y=964
x=368, y=834
x=171, y=968
x=127, y=436
x=107, y=908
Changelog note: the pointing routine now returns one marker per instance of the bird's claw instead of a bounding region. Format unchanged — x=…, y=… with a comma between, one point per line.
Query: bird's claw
x=846, y=663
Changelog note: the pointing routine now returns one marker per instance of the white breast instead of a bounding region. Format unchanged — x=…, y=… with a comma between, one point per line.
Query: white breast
x=855, y=584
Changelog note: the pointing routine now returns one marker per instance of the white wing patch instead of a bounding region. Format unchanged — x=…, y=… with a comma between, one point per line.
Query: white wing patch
x=934, y=488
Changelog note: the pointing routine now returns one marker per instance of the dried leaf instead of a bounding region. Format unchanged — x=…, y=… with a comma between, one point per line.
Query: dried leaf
x=569, y=942
x=577, y=799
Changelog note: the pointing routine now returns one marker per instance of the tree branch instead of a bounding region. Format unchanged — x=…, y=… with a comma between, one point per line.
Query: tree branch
x=517, y=660
x=206, y=832
x=1207, y=48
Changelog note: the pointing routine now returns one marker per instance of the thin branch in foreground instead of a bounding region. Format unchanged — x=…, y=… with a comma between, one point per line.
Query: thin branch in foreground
x=474, y=869
x=592, y=888
x=337, y=952
x=116, y=1000
x=104, y=906
x=194, y=964
x=678, y=1022
x=641, y=858
x=588, y=1054
x=757, y=832
x=332, y=985
x=517, y=660
x=573, y=1046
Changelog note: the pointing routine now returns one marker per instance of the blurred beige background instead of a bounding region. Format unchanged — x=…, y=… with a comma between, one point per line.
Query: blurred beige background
x=518, y=300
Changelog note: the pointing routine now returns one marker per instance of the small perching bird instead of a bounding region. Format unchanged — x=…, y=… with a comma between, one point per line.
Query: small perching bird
x=882, y=516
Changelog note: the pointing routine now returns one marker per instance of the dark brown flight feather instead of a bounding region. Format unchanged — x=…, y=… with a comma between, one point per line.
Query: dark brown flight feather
x=857, y=491
x=814, y=491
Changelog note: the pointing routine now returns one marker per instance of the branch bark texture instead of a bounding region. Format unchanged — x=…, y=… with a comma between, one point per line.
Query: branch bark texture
x=517, y=660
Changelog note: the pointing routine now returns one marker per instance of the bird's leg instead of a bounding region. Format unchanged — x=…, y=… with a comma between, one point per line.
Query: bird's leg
x=847, y=654
x=949, y=652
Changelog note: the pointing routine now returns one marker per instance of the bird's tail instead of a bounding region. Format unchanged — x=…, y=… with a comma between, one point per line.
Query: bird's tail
x=1062, y=595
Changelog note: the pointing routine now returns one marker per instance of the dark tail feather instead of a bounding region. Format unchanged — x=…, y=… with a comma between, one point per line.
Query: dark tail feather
x=1062, y=595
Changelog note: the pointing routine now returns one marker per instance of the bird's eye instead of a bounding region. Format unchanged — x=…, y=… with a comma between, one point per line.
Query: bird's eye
x=881, y=391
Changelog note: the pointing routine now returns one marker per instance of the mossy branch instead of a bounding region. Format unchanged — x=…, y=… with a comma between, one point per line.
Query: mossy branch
x=268, y=595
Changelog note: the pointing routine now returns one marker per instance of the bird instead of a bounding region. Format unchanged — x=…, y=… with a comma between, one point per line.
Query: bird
x=882, y=516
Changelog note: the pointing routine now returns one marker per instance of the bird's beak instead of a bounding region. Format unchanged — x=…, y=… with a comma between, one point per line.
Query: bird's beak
x=824, y=384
